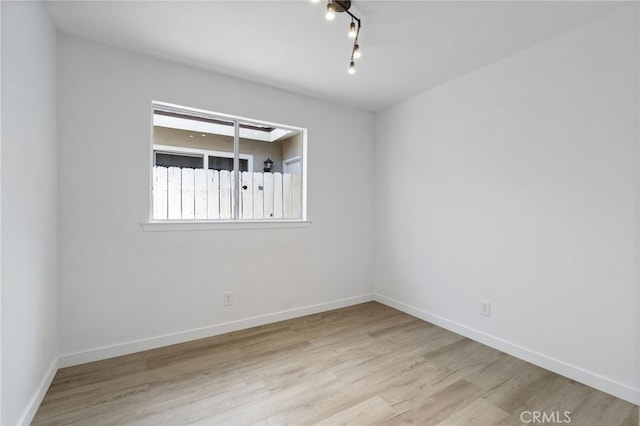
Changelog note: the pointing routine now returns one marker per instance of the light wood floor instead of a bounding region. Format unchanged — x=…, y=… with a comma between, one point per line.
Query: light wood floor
x=363, y=365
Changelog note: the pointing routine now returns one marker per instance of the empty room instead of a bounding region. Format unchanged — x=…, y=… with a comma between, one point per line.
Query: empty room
x=320, y=212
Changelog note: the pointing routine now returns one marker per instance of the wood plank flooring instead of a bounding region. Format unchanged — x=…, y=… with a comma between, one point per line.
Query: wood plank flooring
x=363, y=365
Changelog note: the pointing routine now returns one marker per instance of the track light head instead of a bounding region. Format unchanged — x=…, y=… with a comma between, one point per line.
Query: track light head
x=356, y=51
x=352, y=30
x=331, y=11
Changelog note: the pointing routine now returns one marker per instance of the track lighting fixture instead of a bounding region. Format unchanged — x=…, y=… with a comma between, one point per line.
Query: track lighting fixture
x=339, y=6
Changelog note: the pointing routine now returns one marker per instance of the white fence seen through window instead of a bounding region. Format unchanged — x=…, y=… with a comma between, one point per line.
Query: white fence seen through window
x=192, y=194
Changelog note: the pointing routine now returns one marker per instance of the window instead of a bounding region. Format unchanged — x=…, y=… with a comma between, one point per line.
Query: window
x=176, y=156
x=212, y=167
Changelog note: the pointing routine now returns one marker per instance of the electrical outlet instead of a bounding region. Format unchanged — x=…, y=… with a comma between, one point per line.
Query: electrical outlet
x=228, y=298
x=485, y=308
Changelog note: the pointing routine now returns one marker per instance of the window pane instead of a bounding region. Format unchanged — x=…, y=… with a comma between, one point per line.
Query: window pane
x=226, y=163
x=220, y=163
x=272, y=188
x=174, y=160
x=195, y=190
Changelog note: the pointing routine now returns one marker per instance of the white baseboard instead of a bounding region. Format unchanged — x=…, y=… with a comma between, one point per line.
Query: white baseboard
x=578, y=374
x=38, y=396
x=126, y=348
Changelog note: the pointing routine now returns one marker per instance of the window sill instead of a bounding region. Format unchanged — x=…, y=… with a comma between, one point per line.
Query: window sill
x=204, y=225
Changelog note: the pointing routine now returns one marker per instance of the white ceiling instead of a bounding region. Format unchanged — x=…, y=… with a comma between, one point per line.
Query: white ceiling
x=408, y=46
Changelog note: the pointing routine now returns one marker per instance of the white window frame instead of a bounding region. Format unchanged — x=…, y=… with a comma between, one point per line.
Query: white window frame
x=169, y=149
x=237, y=223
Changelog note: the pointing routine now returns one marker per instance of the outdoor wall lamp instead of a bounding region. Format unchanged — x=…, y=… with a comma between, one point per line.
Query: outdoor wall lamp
x=268, y=163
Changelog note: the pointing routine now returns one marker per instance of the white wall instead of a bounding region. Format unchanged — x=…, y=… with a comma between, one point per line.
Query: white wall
x=29, y=209
x=518, y=183
x=120, y=284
